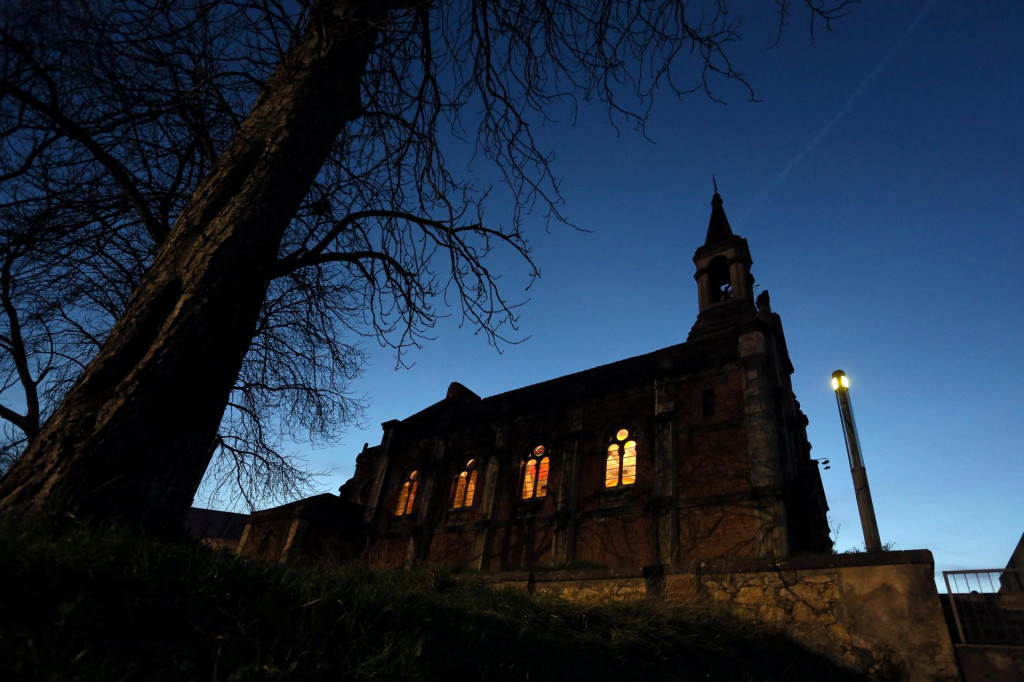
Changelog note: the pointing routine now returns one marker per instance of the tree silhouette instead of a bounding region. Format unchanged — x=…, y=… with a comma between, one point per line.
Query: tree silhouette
x=264, y=181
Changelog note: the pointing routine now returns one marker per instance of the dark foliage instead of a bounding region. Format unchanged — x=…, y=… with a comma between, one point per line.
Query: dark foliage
x=83, y=605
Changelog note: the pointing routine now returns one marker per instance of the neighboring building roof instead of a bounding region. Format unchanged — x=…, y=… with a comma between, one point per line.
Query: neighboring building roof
x=212, y=523
x=318, y=507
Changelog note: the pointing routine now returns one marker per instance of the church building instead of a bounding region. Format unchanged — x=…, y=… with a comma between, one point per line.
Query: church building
x=686, y=454
x=684, y=473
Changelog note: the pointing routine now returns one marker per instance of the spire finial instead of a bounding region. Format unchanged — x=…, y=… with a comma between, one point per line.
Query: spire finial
x=718, y=226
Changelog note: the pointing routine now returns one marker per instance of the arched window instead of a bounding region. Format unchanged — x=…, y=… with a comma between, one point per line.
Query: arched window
x=721, y=280
x=464, y=486
x=535, y=474
x=408, y=494
x=620, y=465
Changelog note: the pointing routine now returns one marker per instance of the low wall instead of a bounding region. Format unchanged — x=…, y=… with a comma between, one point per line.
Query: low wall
x=875, y=613
x=588, y=586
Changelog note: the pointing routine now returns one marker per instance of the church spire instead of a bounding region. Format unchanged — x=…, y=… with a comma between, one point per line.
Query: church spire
x=725, y=285
x=718, y=226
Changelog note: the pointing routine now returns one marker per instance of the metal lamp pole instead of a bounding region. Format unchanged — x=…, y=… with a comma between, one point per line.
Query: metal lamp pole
x=841, y=386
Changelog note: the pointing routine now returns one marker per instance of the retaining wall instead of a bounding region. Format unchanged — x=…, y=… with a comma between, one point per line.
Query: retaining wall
x=875, y=613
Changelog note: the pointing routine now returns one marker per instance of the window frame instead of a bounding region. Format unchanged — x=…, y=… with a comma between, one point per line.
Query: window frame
x=464, y=482
x=618, y=446
x=541, y=475
x=407, y=494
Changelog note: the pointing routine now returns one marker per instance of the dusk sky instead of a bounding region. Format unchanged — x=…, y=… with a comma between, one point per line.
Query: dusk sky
x=880, y=185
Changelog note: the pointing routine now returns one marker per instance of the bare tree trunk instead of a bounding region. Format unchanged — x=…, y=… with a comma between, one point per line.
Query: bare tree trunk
x=29, y=422
x=132, y=438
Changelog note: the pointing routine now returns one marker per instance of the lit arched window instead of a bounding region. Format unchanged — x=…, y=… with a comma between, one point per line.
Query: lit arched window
x=464, y=486
x=408, y=494
x=620, y=466
x=535, y=474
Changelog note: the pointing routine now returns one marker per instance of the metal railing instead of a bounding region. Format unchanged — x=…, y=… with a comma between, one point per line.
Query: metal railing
x=987, y=605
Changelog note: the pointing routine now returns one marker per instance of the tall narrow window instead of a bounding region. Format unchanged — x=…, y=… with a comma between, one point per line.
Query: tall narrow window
x=464, y=486
x=612, y=467
x=408, y=494
x=708, y=399
x=535, y=474
x=629, y=463
x=620, y=464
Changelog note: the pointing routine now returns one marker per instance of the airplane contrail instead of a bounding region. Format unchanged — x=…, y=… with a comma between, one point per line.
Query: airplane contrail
x=858, y=91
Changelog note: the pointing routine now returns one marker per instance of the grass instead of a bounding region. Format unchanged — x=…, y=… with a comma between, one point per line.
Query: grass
x=82, y=604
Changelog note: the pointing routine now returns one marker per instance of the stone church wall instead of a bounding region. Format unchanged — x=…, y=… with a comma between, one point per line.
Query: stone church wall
x=707, y=422
x=389, y=551
x=697, y=493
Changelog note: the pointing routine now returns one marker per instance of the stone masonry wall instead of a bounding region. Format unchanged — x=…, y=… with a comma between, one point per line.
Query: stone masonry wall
x=588, y=586
x=878, y=614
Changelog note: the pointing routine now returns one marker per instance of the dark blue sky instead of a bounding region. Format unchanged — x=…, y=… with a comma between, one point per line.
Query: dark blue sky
x=880, y=184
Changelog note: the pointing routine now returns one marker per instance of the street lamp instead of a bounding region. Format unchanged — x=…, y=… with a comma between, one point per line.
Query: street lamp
x=841, y=386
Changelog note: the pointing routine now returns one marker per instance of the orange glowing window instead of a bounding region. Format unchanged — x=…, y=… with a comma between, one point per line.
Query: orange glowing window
x=529, y=478
x=407, y=495
x=629, y=464
x=535, y=474
x=464, y=486
x=620, y=464
x=612, y=467
x=542, y=477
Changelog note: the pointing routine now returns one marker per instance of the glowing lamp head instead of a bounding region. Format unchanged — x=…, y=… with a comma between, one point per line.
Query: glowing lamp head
x=839, y=379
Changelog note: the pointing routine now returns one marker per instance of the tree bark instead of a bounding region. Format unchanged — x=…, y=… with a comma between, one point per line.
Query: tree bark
x=131, y=440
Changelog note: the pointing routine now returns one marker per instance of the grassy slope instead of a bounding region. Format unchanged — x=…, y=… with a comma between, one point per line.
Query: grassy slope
x=81, y=605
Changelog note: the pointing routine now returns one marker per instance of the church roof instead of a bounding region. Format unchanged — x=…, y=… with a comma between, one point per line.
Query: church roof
x=682, y=358
x=718, y=226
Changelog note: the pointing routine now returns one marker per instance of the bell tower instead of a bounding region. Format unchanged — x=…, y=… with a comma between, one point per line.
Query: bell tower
x=725, y=286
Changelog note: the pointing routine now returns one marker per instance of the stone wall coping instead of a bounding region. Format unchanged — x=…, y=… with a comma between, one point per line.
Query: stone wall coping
x=798, y=563
x=504, y=577
x=808, y=562
x=564, y=575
